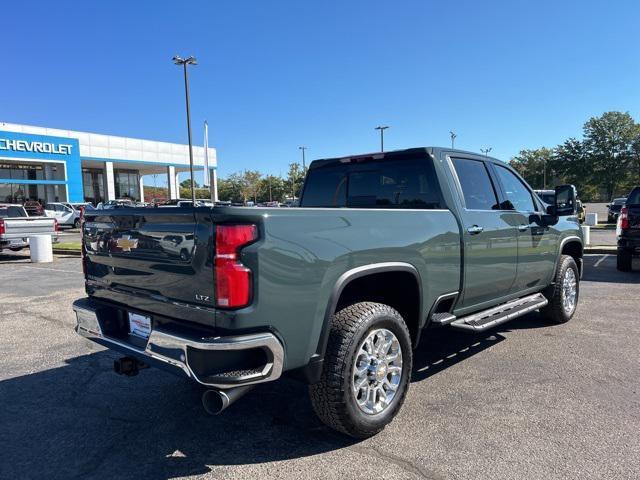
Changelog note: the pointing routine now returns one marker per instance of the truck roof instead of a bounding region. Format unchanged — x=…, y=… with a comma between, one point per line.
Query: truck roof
x=401, y=153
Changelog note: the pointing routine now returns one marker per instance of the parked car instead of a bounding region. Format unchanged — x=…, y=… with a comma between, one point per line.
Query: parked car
x=80, y=205
x=33, y=208
x=628, y=231
x=16, y=226
x=66, y=215
x=547, y=196
x=338, y=292
x=581, y=211
x=119, y=203
x=613, y=209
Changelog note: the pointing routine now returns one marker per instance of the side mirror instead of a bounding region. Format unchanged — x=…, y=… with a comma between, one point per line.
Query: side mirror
x=565, y=200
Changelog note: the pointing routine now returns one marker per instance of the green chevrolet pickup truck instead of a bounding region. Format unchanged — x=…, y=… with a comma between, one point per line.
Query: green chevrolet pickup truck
x=337, y=292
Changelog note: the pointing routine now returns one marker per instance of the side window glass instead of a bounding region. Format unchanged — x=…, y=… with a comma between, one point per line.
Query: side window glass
x=477, y=188
x=518, y=196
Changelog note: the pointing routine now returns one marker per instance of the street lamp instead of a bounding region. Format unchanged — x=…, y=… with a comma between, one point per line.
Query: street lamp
x=453, y=137
x=303, y=158
x=304, y=165
x=184, y=62
x=382, y=129
x=486, y=151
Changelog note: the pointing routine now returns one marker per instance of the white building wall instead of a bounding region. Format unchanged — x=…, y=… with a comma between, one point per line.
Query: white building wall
x=141, y=189
x=109, y=181
x=172, y=182
x=110, y=147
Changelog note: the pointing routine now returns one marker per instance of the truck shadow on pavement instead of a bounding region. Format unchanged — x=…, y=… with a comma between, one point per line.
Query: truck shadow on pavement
x=83, y=421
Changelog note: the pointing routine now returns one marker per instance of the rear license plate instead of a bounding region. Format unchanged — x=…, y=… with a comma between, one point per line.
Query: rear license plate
x=139, y=325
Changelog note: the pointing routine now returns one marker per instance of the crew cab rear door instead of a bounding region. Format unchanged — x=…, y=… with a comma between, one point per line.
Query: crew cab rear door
x=490, y=241
x=537, y=243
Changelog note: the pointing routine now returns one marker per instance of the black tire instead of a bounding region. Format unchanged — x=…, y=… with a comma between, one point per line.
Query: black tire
x=332, y=398
x=623, y=260
x=555, y=311
x=76, y=223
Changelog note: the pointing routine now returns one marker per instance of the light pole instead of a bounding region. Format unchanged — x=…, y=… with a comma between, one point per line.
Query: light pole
x=544, y=173
x=453, y=137
x=304, y=165
x=382, y=129
x=486, y=151
x=184, y=62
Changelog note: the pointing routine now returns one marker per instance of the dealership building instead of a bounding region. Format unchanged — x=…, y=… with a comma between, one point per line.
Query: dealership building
x=49, y=165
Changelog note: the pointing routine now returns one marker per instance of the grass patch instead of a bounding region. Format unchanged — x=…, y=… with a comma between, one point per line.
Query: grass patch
x=67, y=246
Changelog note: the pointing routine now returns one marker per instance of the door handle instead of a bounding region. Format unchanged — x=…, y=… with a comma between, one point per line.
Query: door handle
x=523, y=228
x=475, y=229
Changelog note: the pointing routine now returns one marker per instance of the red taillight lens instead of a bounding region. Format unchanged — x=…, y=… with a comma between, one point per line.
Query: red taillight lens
x=233, y=279
x=2, y=230
x=624, y=218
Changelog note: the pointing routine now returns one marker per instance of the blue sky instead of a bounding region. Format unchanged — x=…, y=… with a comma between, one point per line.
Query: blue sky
x=274, y=75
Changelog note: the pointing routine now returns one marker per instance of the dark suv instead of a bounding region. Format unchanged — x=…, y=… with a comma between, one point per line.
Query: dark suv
x=614, y=209
x=628, y=230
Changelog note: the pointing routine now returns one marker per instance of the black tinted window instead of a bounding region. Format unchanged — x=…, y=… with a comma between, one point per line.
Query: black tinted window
x=389, y=183
x=634, y=197
x=12, y=212
x=518, y=196
x=476, y=184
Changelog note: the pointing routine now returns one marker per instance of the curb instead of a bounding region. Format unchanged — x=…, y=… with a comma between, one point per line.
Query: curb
x=73, y=253
x=602, y=249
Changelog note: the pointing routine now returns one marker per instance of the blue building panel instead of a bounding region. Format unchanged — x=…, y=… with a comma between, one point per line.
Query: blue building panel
x=14, y=145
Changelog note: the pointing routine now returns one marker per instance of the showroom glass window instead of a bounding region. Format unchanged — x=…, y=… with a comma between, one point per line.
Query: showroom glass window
x=127, y=184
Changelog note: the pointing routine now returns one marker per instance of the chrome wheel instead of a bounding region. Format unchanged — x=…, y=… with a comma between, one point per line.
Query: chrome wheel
x=377, y=371
x=569, y=291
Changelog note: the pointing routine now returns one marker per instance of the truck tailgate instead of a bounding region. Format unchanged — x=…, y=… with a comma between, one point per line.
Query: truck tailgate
x=20, y=227
x=150, y=259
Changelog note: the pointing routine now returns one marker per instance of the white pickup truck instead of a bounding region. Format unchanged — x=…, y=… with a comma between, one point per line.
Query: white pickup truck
x=16, y=227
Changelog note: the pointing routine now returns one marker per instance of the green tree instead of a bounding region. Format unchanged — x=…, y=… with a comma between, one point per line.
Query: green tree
x=608, y=140
x=251, y=185
x=532, y=165
x=635, y=154
x=272, y=189
x=295, y=179
x=573, y=164
x=187, y=184
x=230, y=188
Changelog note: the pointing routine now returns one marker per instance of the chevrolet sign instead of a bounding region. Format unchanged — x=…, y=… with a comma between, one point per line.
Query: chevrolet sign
x=36, y=147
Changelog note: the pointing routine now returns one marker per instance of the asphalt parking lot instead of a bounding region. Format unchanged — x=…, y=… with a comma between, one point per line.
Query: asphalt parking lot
x=528, y=400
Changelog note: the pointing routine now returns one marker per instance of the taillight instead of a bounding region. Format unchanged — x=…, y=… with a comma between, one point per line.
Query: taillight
x=2, y=230
x=232, y=278
x=624, y=218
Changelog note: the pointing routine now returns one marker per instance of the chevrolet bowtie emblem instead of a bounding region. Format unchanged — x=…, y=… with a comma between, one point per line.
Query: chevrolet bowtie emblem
x=126, y=243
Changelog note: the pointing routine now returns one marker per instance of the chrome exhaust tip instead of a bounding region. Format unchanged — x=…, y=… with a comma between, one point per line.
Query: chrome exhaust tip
x=216, y=401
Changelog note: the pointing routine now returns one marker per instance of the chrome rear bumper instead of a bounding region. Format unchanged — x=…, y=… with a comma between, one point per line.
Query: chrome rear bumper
x=174, y=351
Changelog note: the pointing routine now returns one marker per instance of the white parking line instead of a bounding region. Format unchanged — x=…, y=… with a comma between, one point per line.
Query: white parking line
x=600, y=261
x=49, y=269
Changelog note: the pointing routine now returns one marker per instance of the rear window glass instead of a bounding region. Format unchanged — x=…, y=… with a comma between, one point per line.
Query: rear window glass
x=387, y=183
x=634, y=197
x=12, y=212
